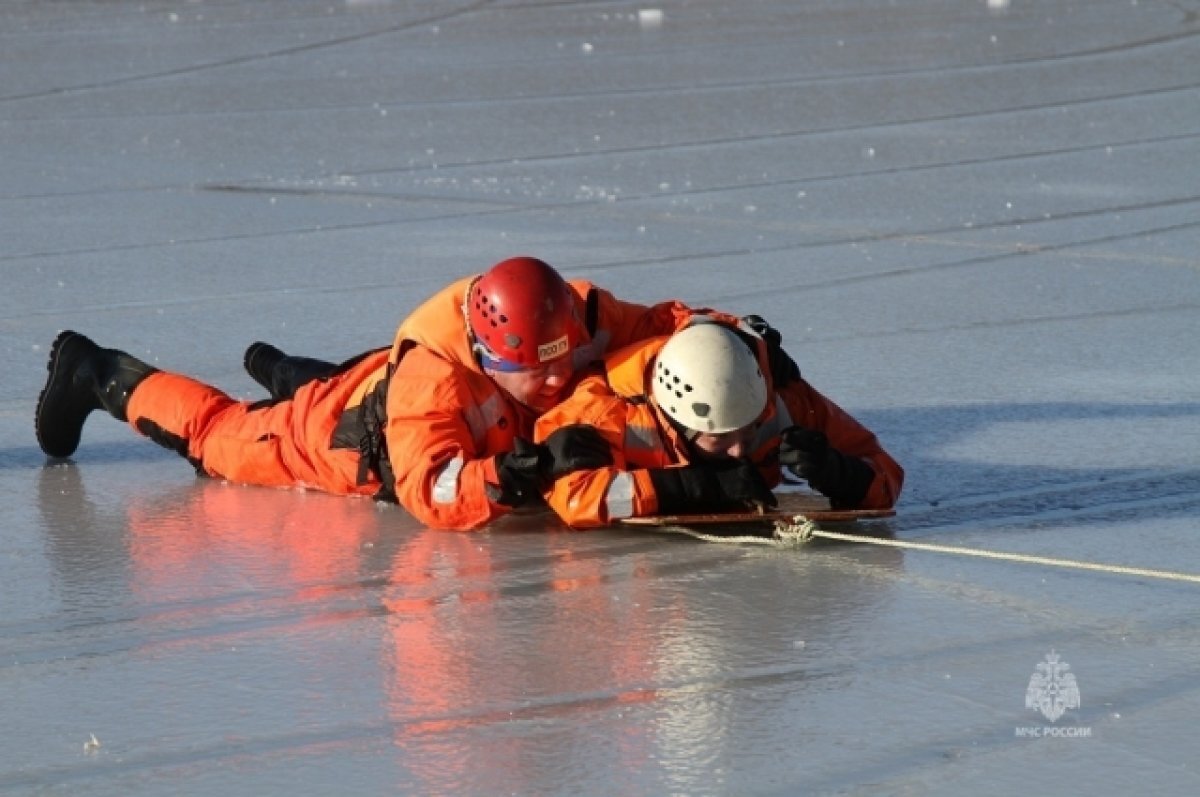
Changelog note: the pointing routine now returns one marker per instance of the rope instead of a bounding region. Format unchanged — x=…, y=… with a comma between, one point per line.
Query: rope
x=785, y=534
x=800, y=530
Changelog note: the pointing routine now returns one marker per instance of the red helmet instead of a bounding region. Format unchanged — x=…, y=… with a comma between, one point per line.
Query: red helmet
x=522, y=315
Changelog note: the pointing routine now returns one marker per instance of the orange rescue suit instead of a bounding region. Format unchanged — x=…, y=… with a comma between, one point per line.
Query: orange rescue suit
x=419, y=423
x=617, y=403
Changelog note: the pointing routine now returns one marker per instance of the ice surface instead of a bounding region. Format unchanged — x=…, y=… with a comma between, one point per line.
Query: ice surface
x=975, y=224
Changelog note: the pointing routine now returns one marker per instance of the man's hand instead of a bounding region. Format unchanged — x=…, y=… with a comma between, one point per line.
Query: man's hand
x=803, y=451
x=842, y=478
x=529, y=468
x=575, y=447
x=710, y=488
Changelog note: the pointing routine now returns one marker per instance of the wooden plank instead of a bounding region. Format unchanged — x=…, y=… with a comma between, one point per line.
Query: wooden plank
x=814, y=508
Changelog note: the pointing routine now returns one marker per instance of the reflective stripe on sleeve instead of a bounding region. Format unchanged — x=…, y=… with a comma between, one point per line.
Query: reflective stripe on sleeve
x=445, y=488
x=618, y=499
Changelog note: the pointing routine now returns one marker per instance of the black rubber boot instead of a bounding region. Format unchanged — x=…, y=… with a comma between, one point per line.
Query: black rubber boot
x=281, y=374
x=83, y=377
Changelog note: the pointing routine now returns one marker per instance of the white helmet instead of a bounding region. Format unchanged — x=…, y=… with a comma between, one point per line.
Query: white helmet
x=707, y=379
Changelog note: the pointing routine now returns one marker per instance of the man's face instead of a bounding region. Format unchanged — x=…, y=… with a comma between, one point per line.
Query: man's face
x=727, y=445
x=538, y=388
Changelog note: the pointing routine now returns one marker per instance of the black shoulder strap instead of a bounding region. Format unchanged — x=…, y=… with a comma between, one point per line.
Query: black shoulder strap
x=373, y=452
x=593, y=311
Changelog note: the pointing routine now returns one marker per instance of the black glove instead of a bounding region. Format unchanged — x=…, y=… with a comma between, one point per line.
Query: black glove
x=807, y=454
x=783, y=367
x=529, y=468
x=575, y=447
x=710, y=488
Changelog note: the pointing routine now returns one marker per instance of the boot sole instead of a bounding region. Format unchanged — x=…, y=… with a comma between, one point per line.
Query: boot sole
x=61, y=437
x=250, y=361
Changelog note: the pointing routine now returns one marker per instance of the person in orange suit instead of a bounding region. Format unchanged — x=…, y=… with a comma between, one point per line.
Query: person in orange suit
x=441, y=421
x=695, y=423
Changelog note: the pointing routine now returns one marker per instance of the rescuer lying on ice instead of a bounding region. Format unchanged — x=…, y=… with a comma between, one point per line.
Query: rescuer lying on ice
x=441, y=421
x=696, y=424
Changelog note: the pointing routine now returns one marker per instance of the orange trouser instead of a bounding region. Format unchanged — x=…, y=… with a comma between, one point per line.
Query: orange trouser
x=279, y=444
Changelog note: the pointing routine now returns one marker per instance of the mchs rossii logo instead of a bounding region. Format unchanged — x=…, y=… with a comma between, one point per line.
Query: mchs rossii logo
x=1052, y=691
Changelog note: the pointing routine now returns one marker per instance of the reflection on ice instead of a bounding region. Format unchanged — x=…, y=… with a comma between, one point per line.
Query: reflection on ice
x=976, y=229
